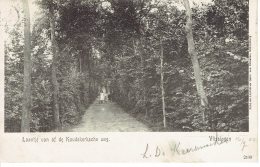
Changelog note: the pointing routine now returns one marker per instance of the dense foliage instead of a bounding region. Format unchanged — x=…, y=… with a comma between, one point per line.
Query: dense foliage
x=116, y=43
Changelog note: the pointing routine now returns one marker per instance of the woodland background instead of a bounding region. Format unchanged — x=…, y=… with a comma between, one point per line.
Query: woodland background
x=55, y=65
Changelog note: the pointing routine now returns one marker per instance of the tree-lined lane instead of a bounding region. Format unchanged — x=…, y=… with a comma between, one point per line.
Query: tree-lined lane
x=108, y=117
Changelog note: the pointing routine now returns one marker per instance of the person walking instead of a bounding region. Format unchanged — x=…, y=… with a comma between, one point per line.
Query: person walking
x=102, y=98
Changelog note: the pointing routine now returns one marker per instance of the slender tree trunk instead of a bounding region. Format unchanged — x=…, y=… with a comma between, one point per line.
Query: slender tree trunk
x=90, y=79
x=87, y=76
x=26, y=114
x=84, y=78
x=139, y=52
x=194, y=58
x=143, y=78
x=162, y=85
x=90, y=88
x=94, y=87
x=80, y=67
x=54, y=72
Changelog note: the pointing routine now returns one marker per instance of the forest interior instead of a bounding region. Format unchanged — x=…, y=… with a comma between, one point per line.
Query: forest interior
x=167, y=65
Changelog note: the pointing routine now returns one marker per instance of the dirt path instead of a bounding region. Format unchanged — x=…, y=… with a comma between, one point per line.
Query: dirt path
x=108, y=117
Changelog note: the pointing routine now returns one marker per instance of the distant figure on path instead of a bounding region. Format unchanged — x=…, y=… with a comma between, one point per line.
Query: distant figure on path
x=106, y=97
x=102, y=97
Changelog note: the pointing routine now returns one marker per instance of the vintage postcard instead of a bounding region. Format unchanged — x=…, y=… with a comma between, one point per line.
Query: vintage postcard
x=128, y=81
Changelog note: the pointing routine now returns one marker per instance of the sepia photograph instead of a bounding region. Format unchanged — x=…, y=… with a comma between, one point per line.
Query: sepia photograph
x=179, y=75
x=126, y=65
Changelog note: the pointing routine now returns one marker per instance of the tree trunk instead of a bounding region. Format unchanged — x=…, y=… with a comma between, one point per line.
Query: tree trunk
x=26, y=114
x=143, y=76
x=80, y=66
x=83, y=78
x=194, y=58
x=162, y=85
x=139, y=42
x=87, y=77
x=90, y=79
x=54, y=72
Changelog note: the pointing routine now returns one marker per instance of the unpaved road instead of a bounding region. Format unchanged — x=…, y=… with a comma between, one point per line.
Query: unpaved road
x=108, y=117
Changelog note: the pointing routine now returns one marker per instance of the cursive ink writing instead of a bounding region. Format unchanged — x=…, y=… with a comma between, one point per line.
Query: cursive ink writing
x=177, y=149
x=242, y=142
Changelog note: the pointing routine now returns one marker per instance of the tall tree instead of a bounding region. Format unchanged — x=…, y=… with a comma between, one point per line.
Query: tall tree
x=26, y=114
x=162, y=84
x=54, y=70
x=194, y=57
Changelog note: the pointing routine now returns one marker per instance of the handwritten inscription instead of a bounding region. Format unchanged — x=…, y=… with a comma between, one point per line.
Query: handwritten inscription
x=242, y=142
x=178, y=149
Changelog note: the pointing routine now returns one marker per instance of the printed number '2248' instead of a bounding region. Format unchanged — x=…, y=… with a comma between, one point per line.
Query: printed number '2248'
x=247, y=157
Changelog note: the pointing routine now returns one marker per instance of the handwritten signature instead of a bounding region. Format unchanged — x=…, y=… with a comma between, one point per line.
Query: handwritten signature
x=176, y=148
